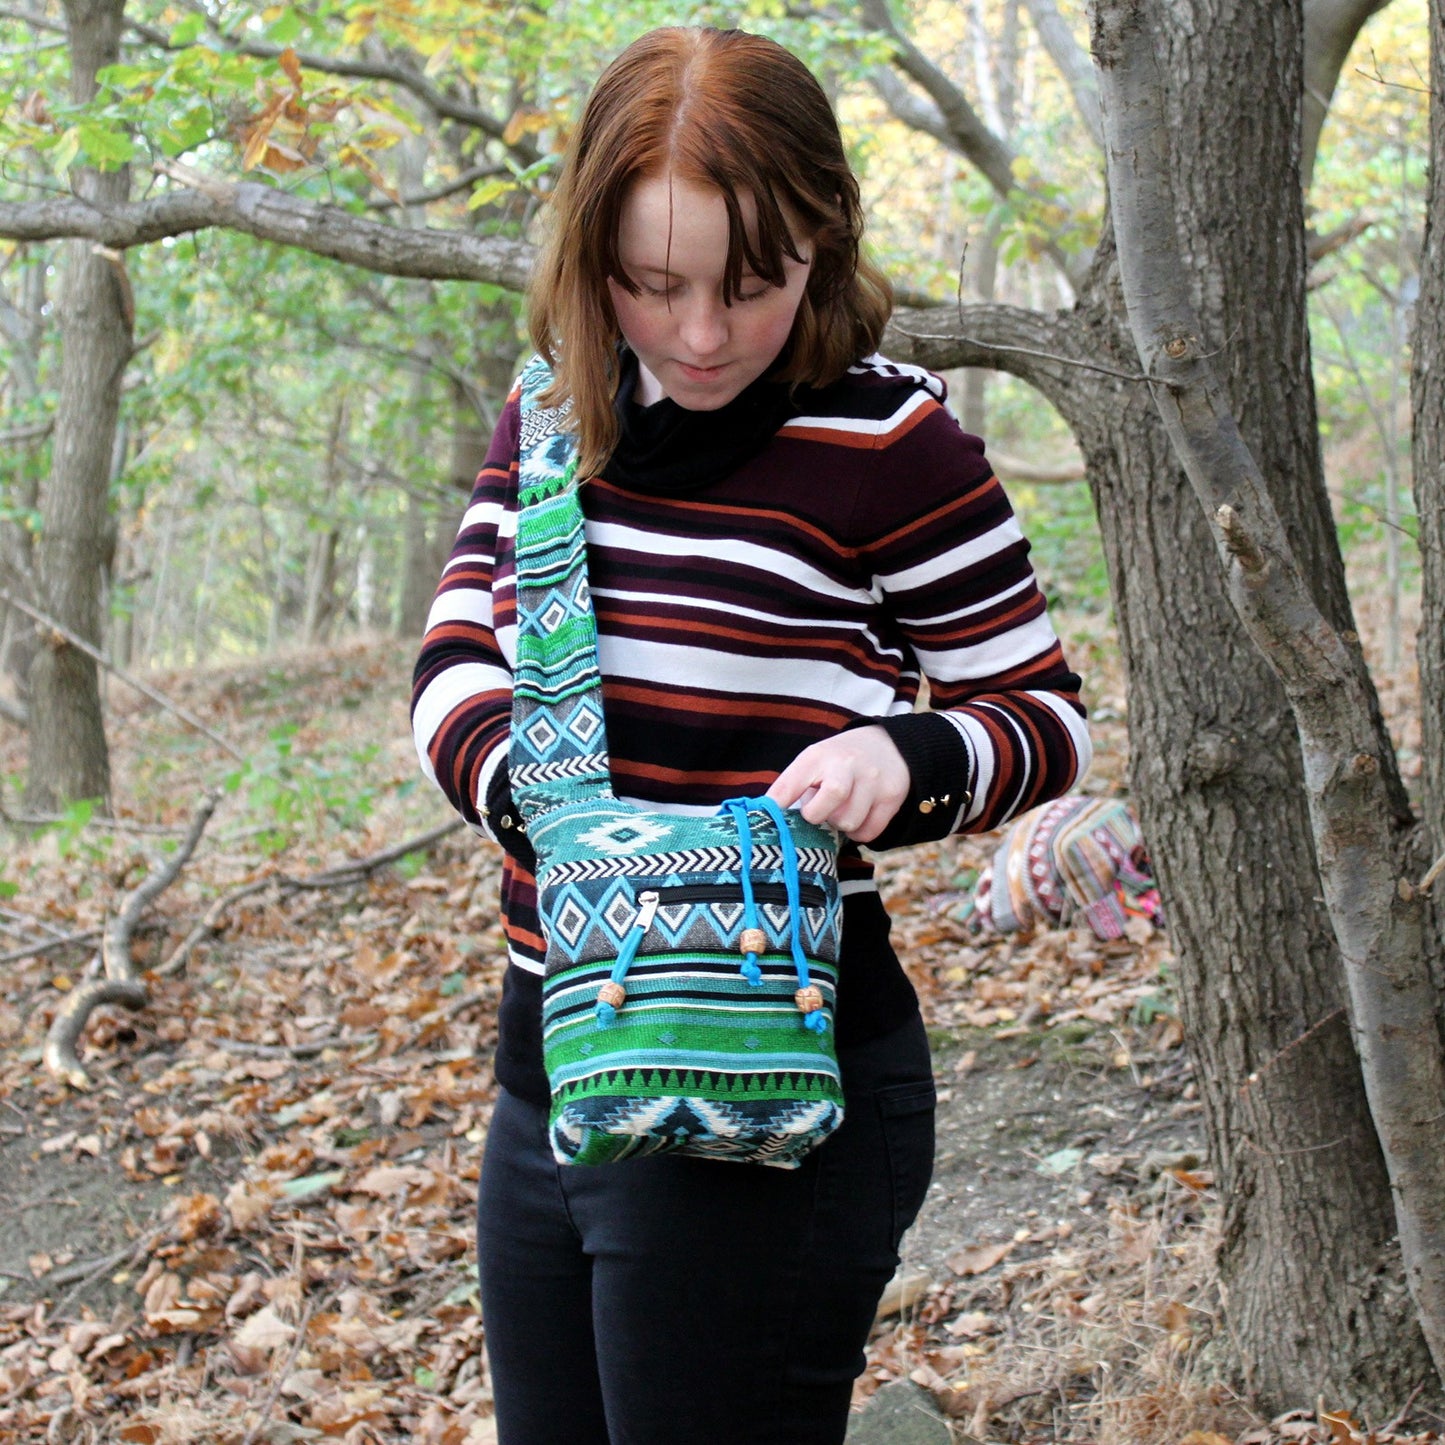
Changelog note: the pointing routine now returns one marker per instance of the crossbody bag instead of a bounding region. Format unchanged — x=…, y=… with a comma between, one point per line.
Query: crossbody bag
x=691, y=962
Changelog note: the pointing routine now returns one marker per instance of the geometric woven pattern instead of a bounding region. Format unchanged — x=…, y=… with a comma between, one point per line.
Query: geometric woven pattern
x=699, y=937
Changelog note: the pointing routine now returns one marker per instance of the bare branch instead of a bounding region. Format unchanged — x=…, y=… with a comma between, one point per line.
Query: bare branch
x=51, y=945
x=949, y=118
x=1330, y=30
x=32, y=432
x=120, y=985
x=273, y=215
x=286, y=885
x=1072, y=62
x=1039, y=474
x=969, y=135
x=1035, y=346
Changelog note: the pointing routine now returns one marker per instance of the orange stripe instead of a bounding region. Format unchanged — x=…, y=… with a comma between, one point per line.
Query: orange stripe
x=656, y=697
x=718, y=509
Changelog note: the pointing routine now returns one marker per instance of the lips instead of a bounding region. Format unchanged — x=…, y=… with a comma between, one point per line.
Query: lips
x=701, y=373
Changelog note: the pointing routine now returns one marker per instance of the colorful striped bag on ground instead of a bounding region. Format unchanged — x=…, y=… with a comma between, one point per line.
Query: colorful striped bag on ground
x=691, y=961
x=1074, y=857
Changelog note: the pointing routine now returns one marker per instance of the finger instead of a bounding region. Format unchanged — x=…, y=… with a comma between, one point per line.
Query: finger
x=792, y=785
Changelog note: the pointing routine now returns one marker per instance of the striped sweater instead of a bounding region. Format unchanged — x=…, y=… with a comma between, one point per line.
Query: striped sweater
x=867, y=546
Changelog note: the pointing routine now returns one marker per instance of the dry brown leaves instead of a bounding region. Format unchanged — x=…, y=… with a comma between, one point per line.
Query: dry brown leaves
x=311, y=1093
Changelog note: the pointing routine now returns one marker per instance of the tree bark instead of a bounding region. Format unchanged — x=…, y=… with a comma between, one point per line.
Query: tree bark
x=1374, y=910
x=1215, y=764
x=1427, y=395
x=68, y=757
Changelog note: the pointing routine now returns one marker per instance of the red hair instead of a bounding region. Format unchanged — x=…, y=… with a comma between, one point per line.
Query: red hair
x=735, y=112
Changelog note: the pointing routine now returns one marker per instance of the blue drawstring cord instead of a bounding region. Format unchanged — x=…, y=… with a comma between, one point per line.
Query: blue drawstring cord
x=646, y=910
x=751, y=968
x=739, y=807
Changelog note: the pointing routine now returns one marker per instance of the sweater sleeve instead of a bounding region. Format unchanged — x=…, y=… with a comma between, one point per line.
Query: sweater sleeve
x=1006, y=729
x=462, y=684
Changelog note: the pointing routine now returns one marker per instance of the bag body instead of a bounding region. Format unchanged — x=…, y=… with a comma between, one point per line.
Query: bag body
x=691, y=963
x=708, y=1051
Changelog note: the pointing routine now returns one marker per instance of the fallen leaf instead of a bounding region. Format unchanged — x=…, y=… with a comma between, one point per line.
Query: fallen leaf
x=388, y=1180
x=258, y=1339
x=902, y=1292
x=1061, y=1161
x=979, y=1258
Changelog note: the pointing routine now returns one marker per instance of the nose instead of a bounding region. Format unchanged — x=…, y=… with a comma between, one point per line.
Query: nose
x=703, y=326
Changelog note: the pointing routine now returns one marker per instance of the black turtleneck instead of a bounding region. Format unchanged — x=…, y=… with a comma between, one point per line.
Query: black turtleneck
x=666, y=450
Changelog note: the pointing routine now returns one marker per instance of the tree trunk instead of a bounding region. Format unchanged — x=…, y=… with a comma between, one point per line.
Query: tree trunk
x=320, y=586
x=1315, y=1296
x=1215, y=760
x=68, y=757
x=23, y=328
x=418, y=570
x=1374, y=914
x=1427, y=395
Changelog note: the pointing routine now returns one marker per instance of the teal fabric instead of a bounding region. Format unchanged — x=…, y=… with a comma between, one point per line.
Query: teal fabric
x=715, y=937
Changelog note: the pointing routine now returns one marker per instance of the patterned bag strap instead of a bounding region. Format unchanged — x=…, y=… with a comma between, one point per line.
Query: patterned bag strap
x=558, y=750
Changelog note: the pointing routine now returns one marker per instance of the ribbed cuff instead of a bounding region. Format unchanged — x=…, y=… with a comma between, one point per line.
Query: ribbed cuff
x=941, y=772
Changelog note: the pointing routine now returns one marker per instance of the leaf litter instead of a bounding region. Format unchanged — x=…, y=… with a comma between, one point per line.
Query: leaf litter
x=257, y=1224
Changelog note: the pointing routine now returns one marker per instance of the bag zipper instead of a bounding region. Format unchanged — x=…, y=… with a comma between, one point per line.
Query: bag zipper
x=810, y=895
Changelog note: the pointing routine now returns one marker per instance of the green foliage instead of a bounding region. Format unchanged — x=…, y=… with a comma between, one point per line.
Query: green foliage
x=298, y=795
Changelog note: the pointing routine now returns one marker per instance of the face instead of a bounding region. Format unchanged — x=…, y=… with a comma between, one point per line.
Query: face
x=691, y=346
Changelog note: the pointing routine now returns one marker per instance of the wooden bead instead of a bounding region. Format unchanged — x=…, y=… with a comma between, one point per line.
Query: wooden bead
x=612, y=993
x=809, y=1000
x=752, y=940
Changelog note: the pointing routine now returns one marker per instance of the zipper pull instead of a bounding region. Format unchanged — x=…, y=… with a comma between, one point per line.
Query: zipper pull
x=648, y=911
x=611, y=996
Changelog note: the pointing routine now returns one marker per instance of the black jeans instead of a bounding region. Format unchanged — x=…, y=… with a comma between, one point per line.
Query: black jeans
x=674, y=1301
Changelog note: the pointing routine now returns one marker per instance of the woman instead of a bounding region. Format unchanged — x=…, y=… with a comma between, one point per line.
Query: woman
x=784, y=533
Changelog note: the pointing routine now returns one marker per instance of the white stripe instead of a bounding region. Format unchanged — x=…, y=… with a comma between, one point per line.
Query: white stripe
x=956, y=559
x=490, y=515
x=768, y=561
x=864, y=426
x=789, y=679
x=879, y=365
x=461, y=604
x=992, y=656
x=975, y=735
x=459, y=682
x=485, y=774
x=675, y=601
x=937, y=619
x=1078, y=729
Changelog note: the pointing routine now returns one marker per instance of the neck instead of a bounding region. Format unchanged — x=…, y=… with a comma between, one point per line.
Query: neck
x=649, y=389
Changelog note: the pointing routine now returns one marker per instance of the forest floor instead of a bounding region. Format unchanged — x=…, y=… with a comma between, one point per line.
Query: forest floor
x=256, y=1223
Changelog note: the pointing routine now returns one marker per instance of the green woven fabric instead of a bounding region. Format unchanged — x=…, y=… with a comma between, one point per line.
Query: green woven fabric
x=710, y=934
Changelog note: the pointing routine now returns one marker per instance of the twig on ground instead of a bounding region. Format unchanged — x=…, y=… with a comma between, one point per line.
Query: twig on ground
x=121, y=983
x=351, y=872
x=210, y=924
x=86, y=1272
x=293, y=1051
x=50, y=945
x=286, y=884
